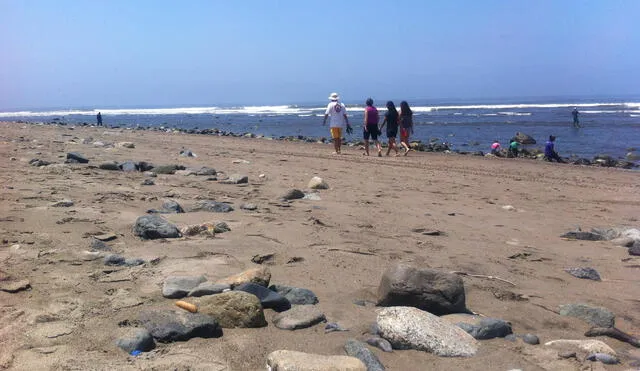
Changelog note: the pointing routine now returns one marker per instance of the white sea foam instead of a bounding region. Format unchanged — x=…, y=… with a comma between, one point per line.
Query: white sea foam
x=514, y=113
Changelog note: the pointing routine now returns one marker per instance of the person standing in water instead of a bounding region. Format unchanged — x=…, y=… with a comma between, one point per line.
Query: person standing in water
x=406, y=125
x=338, y=114
x=391, y=120
x=371, y=129
x=575, y=113
x=99, y=119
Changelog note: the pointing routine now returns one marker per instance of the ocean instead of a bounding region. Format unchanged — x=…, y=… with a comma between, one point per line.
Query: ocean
x=608, y=127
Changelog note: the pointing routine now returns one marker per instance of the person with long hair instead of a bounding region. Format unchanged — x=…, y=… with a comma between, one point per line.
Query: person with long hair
x=406, y=125
x=391, y=120
x=371, y=129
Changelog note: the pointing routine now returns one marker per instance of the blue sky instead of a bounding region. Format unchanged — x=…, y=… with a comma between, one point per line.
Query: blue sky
x=158, y=53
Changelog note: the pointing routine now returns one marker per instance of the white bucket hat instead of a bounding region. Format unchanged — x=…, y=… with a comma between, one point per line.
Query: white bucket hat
x=334, y=96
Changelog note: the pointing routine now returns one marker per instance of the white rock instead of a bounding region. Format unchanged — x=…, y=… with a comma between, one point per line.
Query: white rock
x=508, y=208
x=289, y=360
x=318, y=183
x=126, y=145
x=412, y=328
x=587, y=345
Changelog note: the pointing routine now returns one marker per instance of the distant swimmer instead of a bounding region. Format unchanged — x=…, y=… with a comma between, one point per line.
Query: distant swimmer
x=99, y=118
x=337, y=112
x=550, y=153
x=575, y=113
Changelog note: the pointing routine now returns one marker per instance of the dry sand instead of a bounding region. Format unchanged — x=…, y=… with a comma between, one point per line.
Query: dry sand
x=338, y=246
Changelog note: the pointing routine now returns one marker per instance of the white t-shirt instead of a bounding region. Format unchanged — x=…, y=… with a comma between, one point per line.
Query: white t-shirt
x=336, y=112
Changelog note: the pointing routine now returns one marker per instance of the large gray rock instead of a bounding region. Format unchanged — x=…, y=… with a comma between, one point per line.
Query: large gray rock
x=172, y=206
x=299, y=316
x=412, y=328
x=524, y=138
x=584, y=273
x=596, y=316
x=295, y=295
x=233, y=309
x=169, y=325
x=358, y=349
x=212, y=206
x=289, y=360
x=209, y=288
x=428, y=289
x=136, y=339
x=167, y=169
x=176, y=287
x=481, y=328
x=153, y=227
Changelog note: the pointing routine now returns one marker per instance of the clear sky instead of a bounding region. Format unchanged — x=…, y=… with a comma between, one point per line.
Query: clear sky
x=156, y=53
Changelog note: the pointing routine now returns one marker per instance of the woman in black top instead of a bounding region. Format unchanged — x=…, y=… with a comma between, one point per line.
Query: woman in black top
x=406, y=125
x=391, y=120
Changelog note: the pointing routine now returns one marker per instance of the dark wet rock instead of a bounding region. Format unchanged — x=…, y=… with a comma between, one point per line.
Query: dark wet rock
x=531, y=339
x=169, y=325
x=380, y=343
x=111, y=165
x=114, y=259
x=595, y=316
x=269, y=299
x=604, y=160
x=623, y=164
x=431, y=290
x=145, y=166
x=148, y=182
x=212, y=206
x=584, y=272
x=359, y=350
x=296, y=295
x=76, y=157
x=635, y=249
x=581, y=235
x=167, y=169
x=233, y=309
x=581, y=161
x=37, y=162
x=298, y=317
x=136, y=339
x=172, y=206
x=175, y=287
x=481, y=328
x=221, y=227
x=209, y=288
x=605, y=358
x=128, y=166
x=523, y=138
x=154, y=227
x=236, y=179
x=293, y=194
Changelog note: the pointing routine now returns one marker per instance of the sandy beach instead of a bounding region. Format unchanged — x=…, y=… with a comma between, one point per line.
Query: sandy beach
x=496, y=217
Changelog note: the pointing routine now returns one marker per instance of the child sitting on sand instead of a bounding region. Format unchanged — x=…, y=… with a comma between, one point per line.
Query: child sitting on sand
x=495, y=148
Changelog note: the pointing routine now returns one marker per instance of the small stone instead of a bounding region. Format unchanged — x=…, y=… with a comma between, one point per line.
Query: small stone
x=14, y=286
x=580, y=235
x=530, y=339
x=357, y=349
x=480, y=328
x=99, y=245
x=508, y=208
x=298, y=317
x=296, y=295
x=111, y=165
x=249, y=207
x=63, y=203
x=221, y=227
x=635, y=249
x=167, y=169
x=595, y=316
x=588, y=346
x=175, y=287
x=114, y=259
x=187, y=153
x=212, y=206
x=208, y=288
x=77, y=158
x=172, y=206
x=289, y=360
x=607, y=359
x=154, y=227
x=584, y=272
x=318, y=183
x=148, y=182
x=236, y=179
x=268, y=299
x=261, y=276
x=136, y=339
x=293, y=194
x=105, y=237
x=128, y=166
x=567, y=355
x=380, y=343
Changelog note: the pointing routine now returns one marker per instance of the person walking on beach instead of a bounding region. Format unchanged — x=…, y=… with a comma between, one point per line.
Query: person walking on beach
x=99, y=119
x=337, y=112
x=550, y=153
x=406, y=125
x=371, y=129
x=575, y=113
x=391, y=120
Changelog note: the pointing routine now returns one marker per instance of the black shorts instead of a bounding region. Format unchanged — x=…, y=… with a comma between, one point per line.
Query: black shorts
x=372, y=131
x=392, y=133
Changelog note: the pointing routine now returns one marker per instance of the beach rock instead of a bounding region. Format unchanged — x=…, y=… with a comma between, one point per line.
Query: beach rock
x=14, y=286
x=412, y=328
x=111, y=165
x=318, y=183
x=333, y=326
x=145, y=166
x=428, y=289
x=136, y=339
x=153, y=227
x=523, y=138
x=250, y=207
x=206, y=171
x=295, y=295
x=133, y=262
x=76, y=157
x=128, y=166
x=175, y=287
x=185, y=172
x=96, y=244
x=37, y=162
x=148, y=182
x=604, y=160
x=63, y=203
x=635, y=249
x=171, y=206
x=588, y=346
x=233, y=309
x=208, y=288
x=531, y=339
x=206, y=229
x=299, y=316
x=113, y=259
x=167, y=169
x=481, y=328
x=187, y=153
x=261, y=276
x=221, y=227
x=580, y=235
x=268, y=299
x=212, y=206
x=380, y=343
x=584, y=272
x=623, y=164
x=596, y=316
x=125, y=145
x=236, y=179
x=293, y=194
x=289, y=360
x=358, y=349
x=170, y=325
x=633, y=156
x=607, y=359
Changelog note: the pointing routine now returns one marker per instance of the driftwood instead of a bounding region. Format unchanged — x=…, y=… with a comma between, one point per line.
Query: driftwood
x=483, y=276
x=613, y=332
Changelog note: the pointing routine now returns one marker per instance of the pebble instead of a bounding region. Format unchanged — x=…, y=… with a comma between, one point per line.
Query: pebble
x=298, y=317
x=584, y=272
x=380, y=343
x=607, y=359
x=318, y=183
x=289, y=360
x=63, y=203
x=233, y=309
x=358, y=349
x=531, y=339
x=148, y=182
x=249, y=207
x=293, y=194
x=333, y=326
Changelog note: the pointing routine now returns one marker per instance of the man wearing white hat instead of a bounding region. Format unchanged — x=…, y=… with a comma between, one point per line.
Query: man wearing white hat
x=338, y=114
